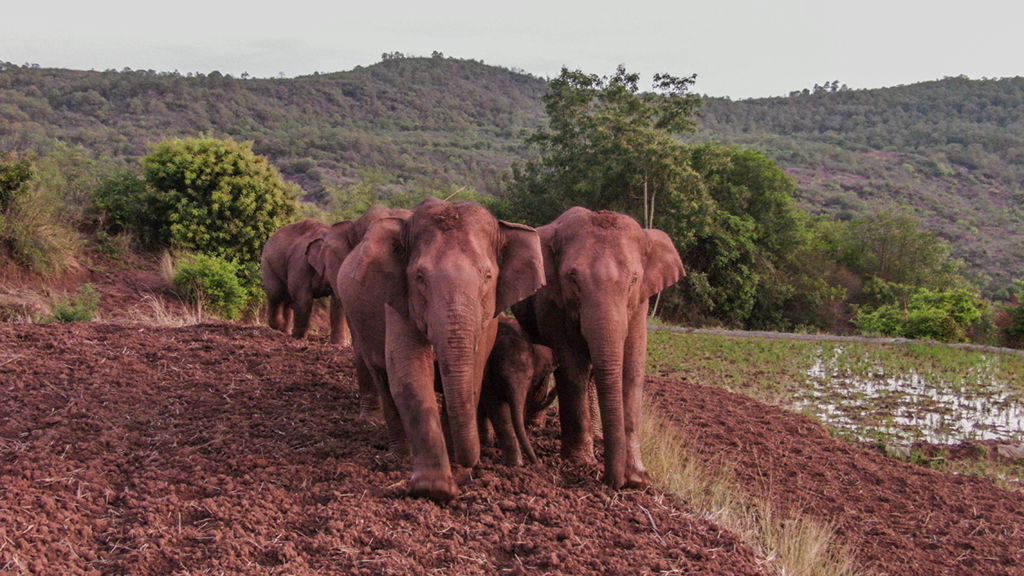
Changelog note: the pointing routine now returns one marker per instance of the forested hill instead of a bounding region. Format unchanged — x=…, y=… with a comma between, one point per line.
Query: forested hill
x=420, y=121
x=950, y=151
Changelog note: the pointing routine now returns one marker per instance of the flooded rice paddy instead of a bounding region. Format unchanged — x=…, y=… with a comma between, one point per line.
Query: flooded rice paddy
x=870, y=403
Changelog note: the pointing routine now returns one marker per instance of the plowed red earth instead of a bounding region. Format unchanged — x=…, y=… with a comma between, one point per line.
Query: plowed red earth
x=230, y=449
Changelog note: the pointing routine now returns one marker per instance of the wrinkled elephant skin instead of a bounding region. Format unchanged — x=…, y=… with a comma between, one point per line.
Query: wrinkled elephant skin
x=426, y=289
x=601, y=269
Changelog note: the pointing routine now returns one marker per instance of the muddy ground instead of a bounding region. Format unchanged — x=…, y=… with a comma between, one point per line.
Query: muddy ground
x=231, y=449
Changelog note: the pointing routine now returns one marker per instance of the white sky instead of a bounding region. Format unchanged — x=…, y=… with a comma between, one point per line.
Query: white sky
x=737, y=48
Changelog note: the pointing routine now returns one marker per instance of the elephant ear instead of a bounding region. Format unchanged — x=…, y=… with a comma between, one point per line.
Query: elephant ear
x=381, y=261
x=315, y=254
x=549, y=248
x=520, y=264
x=663, y=267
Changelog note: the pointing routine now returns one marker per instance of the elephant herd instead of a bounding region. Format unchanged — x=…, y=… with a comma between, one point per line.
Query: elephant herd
x=422, y=293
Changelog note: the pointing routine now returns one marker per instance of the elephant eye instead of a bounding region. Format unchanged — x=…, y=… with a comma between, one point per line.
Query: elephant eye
x=632, y=282
x=420, y=278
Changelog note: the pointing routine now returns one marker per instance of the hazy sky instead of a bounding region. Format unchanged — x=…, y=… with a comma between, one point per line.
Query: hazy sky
x=737, y=48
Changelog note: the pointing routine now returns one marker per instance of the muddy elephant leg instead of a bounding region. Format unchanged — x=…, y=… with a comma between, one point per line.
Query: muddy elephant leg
x=516, y=406
x=276, y=314
x=500, y=414
x=633, y=374
x=339, y=327
x=410, y=365
x=369, y=395
x=302, y=308
x=572, y=382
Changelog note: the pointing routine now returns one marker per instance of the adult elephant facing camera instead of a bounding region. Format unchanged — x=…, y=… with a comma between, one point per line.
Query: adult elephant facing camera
x=601, y=269
x=427, y=289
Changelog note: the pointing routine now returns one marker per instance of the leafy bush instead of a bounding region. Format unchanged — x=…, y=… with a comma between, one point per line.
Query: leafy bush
x=121, y=203
x=212, y=283
x=32, y=229
x=80, y=308
x=214, y=197
x=921, y=314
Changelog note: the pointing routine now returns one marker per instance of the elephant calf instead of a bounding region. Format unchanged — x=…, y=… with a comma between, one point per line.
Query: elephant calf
x=515, y=389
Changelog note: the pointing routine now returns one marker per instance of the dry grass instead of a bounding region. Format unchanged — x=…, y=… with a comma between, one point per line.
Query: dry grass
x=791, y=546
x=155, y=311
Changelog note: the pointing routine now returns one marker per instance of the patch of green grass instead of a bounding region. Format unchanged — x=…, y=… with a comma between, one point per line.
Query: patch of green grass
x=81, y=307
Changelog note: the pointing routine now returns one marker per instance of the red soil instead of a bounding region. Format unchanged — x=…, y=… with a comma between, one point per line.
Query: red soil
x=230, y=449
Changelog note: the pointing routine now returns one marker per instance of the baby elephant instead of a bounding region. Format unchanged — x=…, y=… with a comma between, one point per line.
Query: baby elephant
x=515, y=389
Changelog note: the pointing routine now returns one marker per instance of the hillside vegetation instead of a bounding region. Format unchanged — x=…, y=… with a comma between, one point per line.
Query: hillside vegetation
x=949, y=152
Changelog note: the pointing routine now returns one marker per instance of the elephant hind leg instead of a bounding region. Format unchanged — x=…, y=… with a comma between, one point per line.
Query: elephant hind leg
x=279, y=313
x=302, y=308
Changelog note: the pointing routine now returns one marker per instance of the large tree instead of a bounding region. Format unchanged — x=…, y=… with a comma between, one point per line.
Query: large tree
x=607, y=146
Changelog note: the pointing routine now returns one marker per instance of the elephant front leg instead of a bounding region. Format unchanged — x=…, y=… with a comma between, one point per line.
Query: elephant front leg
x=302, y=308
x=571, y=385
x=410, y=365
x=633, y=375
x=369, y=398
x=339, y=327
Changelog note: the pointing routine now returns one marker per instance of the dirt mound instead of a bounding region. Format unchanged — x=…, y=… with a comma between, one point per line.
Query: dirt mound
x=230, y=449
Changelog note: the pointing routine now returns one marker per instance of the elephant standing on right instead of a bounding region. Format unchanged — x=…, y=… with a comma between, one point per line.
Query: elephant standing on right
x=601, y=269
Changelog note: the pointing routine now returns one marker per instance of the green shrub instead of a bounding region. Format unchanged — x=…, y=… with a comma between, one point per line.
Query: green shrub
x=212, y=283
x=80, y=308
x=214, y=197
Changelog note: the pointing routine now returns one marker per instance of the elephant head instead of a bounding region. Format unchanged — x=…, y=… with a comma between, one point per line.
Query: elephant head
x=601, y=269
x=440, y=277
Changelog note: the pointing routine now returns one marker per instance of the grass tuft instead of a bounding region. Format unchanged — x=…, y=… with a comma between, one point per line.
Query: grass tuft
x=791, y=545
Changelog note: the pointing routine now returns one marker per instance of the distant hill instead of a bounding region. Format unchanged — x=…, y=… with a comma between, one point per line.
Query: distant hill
x=950, y=152
x=422, y=121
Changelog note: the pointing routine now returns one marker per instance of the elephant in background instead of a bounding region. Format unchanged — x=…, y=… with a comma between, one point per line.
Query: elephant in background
x=427, y=289
x=601, y=268
x=300, y=263
x=295, y=274
x=515, y=389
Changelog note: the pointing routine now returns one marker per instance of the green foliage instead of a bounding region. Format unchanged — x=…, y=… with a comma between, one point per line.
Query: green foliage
x=607, y=146
x=919, y=313
x=215, y=197
x=213, y=284
x=15, y=173
x=33, y=226
x=897, y=250
x=80, y=308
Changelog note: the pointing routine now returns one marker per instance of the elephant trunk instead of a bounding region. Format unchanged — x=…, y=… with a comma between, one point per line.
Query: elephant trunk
x=605, y=332
x=455, y=347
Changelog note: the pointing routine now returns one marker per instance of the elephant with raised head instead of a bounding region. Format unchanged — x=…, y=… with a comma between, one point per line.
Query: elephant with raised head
x=427, y=289
x=515, y=389
x=601, y=269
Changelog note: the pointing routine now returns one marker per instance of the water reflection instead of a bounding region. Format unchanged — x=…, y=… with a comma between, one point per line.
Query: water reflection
x=907, y=407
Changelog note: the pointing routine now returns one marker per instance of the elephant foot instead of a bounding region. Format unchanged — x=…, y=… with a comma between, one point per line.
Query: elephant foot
x=637, y=480
x=512, y=460
x=371, y=410
x=433, y=487
x=579, y=457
